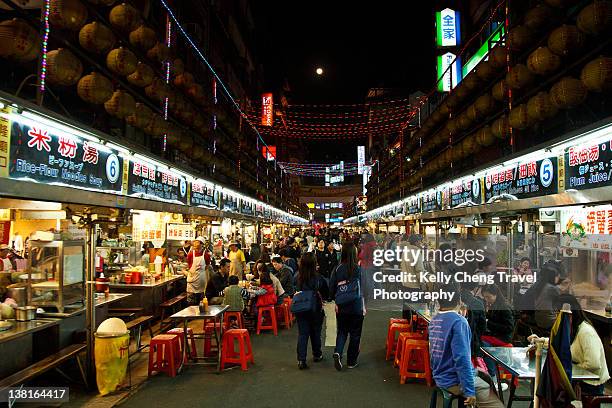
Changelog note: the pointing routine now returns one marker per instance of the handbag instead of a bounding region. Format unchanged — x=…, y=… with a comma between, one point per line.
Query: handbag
x=305, y=301
x=348, y=292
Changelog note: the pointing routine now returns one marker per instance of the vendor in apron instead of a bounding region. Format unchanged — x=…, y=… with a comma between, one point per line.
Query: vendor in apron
x=196, y=274
x=237, y=259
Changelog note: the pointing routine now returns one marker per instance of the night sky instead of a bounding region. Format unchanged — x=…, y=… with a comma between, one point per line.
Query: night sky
x=358, y=44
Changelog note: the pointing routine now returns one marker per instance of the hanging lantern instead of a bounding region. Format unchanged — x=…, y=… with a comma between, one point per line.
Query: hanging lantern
x=67, y=14
x=157, y=127
x=186, y=144
x=484, y=105
x=560, y=3
x=538, y=17
x=141, y=116
x=472, y=113
x=18, y=40
x=468, y=145
x=143, y=38
x=498, y=57
x=174, y=135
x=121, y=104
x=456, y=153
x=160, y=52
x=568, y=93
x=597, y=75
x=124, y=17
x=486, y=71
x=465, y=121
x=121, y=61
x=540, y=108
x=178, y=66
x=436, y=116
x=444, y=109
x=143, y=76
x=519, y=38
x=484, y=136
x=453, y=126
x=565, y=40
x=95, y=88
x=500, y=91
x=519, y=77
x=518, y=118
x=452, y=101
x=196, y=92
x=596, y=18
x=103, y=2
x=472, y=82
x=63, y=68
x=543, y=62
x=184, y=80
x=500, y=128
x=96, y=37
x=198, y=152
x=157, y=90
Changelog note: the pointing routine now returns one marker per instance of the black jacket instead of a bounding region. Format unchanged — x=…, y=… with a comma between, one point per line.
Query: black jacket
x=215, y=286
x=476, y=318
x=500, y=321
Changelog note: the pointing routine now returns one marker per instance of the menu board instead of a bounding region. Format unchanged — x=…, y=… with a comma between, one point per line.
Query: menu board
x=587, y=228
x=432, y=201
x=412, y=205
x=267, y=213
x=203, y=194
x=42, y=154
x=247, y=207
x=230, y=203
x=524, y=180
x=588, y=166
x=468, y=191
x=259, y=210
x=180, y=232
x=146, y=181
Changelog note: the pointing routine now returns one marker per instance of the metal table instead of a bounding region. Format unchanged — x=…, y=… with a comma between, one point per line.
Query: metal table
x=515, y=361
x=214, y=313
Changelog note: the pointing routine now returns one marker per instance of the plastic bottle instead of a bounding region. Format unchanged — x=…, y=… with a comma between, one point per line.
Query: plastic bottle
x=205, y=304
x=158, y=264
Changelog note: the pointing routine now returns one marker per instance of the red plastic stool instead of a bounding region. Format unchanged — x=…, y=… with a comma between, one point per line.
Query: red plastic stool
x=163, y=350
x=401, y=342
x=193, y=353
x=272, y=316
x=209, y=333
x=288, y=301
x=415, y=361
x=229, y=355
x=237, y=315
x=284, y=315
x=395, y=328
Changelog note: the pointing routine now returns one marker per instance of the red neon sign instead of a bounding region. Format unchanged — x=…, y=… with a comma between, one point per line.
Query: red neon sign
x=267, y=109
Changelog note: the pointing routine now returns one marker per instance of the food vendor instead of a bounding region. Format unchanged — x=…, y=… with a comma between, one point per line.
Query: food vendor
x=5, y=250
x=237, y=259
x=196, y=274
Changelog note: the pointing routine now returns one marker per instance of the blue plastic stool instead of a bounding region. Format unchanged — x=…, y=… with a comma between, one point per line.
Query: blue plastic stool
x=447, y=399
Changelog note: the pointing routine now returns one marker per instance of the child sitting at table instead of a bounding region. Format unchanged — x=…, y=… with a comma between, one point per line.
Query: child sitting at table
x=233, y=295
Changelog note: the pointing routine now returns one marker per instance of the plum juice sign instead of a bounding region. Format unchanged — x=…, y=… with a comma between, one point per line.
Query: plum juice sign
x=588, y=166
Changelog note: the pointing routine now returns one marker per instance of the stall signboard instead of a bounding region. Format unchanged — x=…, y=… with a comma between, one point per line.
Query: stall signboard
x=267, y=213
x=247, y=207
x=588, y=166
x=412, y=205
x=587, y=228
x=523, y=180
x=468, y=191
x=145, y=180
x=45, y=155
x=267, y=109
x=230, y=203
x=180, y=232
x=432, y=200
x=259, y=210
x=5, y=232
x=149, y=226
x=203, y=194
x=448, y=33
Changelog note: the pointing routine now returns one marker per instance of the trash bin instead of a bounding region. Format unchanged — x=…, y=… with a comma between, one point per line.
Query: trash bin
x=111, y=354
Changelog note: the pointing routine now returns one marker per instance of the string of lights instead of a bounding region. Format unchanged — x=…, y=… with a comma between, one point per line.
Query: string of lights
x=45, y=44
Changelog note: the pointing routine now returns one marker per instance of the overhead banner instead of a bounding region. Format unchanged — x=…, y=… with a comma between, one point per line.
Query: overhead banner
x=448, y=31
x=40, y=154
x=588, y=166
x=247, y=207
x=412, y=205
x=230, y=203
x=203, y=194
x=466, y=192
x=432, y=201
x=524, y=180
x=145, y=180
x=267, y=109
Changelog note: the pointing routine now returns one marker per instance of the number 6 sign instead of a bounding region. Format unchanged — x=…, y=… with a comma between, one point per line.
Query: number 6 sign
x=112, y=168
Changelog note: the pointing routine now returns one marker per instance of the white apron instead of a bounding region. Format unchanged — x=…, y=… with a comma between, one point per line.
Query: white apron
x=196, y=277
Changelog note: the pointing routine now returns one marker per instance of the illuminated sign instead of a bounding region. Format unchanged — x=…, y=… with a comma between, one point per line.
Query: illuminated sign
x=269, y=152
x=360, y=159
x=482, y=52
x=448, y=33
x=267, y=109
x=334, y=175
x=449, y=72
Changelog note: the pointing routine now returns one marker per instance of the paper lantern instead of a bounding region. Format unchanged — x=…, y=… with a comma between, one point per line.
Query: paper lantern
x=462, y=92
x=452, y=100
x=457, y=153
x=157, y=127
x=173, y=135
x=500, y=128
x=444, y=109
x=67, y=14
x=596, y=18
x=184, y=80
x=597, y=75
x=538, y=17
x=568, y=93
x=500, y=91
x=96, y=37
x=121, y=61
x=436, y=116
x=560, y=3
x=518, y=118
x=472, y=113
x=186, y=144
x=484, y=136
x=142, y=76
x=519, y=38
x=484, y=105
x=452, y=126
x=63, y=68
x=124, y=17
x=198, y=152
x=121, y=104
x=540, y=108
x=468, y=145
x=160, y=52
x=486, y=71
x=157, y=90
x=18, y=40
x=143, y=38
x=177, y=66
x=565, y=40
x=465, y=121
x=519, y=77
x=141, y=116
x=95, y=88
x=498, y=57
x=543, y=62
x=103, y=2
x=472, y=82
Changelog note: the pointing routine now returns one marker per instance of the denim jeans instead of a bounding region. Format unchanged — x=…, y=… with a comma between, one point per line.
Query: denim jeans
x=588, y=389
x=349, y=325
x=309, y=327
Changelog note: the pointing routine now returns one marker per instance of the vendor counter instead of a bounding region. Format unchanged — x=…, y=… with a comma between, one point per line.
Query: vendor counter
x=149, y=296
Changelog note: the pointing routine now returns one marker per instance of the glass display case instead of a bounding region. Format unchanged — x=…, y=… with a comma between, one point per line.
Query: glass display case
x=56, y=273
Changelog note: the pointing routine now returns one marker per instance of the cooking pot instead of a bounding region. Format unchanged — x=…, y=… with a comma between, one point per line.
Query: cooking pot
x=25, y=313
x=136, y=277
x=18, y=292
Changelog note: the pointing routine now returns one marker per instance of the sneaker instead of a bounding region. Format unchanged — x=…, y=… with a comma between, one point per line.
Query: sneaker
x=337, y=361
x=352, y=365
x=302, y=365
x=317, y=359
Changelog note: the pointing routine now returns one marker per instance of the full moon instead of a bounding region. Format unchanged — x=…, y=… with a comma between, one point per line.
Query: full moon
x=319, y=71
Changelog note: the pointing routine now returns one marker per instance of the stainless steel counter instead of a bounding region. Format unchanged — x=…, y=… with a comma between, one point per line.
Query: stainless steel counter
x=21, y=329
x=161, y=282
x=99, y=302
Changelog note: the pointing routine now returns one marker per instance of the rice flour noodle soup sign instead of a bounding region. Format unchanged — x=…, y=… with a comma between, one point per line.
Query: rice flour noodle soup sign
x=523, y=180
x=145, y=180
x=44, y=154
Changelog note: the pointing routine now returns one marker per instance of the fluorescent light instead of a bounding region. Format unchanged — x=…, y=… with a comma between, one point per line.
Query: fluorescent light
x=55, y=124
x=118, y=148
x=150, y=161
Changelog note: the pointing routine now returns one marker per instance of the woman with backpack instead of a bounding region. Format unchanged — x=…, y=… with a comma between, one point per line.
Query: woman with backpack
x=311, y=289
x=350, y=306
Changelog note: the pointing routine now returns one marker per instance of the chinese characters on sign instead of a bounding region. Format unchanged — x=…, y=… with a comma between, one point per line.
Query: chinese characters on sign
x=587, y=228
x=180, y=232
x=468, y=191
x=267, y=109
x=588, y=166
x=449, y=72
x=145, y=181
x=204, y=195
x=530, y=179
x=360, y=159
x=448, y=33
